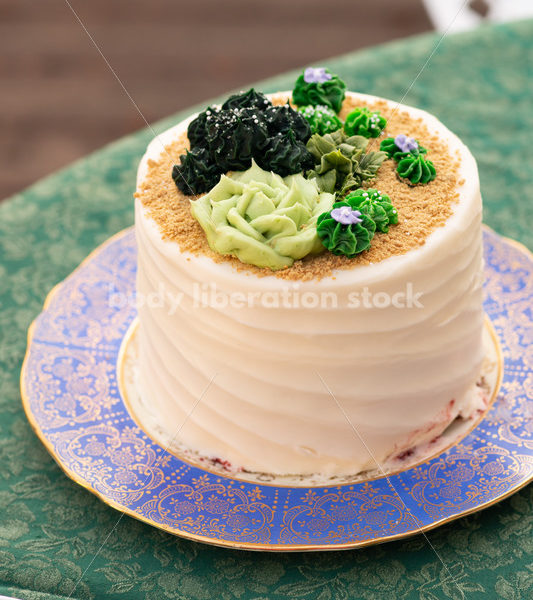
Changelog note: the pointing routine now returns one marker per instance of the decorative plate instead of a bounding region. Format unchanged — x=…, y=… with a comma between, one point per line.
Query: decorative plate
x=73, y=401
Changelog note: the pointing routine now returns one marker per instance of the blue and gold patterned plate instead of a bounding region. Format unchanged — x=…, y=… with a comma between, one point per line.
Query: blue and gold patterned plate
x=73, y=400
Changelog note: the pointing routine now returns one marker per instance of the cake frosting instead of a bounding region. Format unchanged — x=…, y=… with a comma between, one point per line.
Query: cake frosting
x=315, y=376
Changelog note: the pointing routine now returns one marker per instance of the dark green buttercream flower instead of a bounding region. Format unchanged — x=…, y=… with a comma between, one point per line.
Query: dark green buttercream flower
x=196, y=174
x=285, y=155
x=196, y=132
x=281, y=119
x=246, y=127
x=345, y=240
x=234, y=137
x=362, y=121
x=416, y=169
x=249, y=99
x=376, y=205
x=325, y=90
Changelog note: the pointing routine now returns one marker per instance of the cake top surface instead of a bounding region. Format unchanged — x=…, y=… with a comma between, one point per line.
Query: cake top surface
x=420, y=209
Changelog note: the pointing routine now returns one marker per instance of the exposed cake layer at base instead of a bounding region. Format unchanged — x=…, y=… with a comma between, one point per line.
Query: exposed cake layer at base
x=480, y=397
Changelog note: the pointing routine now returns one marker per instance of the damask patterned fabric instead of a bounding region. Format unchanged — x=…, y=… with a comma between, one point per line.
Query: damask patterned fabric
x=480, y=85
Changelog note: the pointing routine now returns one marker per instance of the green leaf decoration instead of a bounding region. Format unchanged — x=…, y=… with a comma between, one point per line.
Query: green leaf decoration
x=345, y=240
x=376, y=205
x=328, y=93
x=362, y=121
x=389, y=146
x=416, y=169
x=340, y=164
x=337, y=140
x=332, y=172
x=321, y=119
x=368, y=165
x=285, y=155
x=196, y=174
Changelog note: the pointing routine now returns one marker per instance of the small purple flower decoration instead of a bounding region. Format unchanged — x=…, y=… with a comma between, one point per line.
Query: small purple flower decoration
x=405, y=144
x=346, y=216
x=316, y=75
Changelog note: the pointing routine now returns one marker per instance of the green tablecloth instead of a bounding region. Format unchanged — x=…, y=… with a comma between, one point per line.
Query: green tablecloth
x=480, y=85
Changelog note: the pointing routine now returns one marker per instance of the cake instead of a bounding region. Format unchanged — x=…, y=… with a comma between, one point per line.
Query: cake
x=332, y=353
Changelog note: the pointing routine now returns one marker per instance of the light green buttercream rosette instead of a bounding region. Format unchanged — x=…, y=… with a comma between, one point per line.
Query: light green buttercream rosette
x=261, y=218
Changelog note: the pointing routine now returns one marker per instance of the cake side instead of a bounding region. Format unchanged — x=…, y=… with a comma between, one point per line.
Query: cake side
x=269, y=375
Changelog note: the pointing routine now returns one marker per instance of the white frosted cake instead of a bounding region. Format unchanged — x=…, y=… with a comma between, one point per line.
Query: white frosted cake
x=331, y=364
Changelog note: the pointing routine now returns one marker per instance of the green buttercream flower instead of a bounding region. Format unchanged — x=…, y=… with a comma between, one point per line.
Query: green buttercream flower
x=345, y=240
x=340, y=164
x=321, y=119
x=416, y=169
x=376, y=205
x=319, y=87
x=262, y=218
x=361, y=121
x=392, y=149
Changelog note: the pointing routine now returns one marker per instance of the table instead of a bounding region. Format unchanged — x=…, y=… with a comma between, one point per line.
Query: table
x=480, y=85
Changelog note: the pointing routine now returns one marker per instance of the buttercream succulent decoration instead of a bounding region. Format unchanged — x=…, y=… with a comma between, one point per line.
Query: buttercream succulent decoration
x=362, y=121
x=282, y=152
x=261, y=218
x=321, y=119
x=249, y=99
x=349, y=227
x=376, y=205
x=340, y=161
x=413, y=165
x=345, y=230
x=282, y=119
x=416, y=169
x=246, y=127
x=400, y=146
x=316, y=86
x=195, y=167
x=196, y=131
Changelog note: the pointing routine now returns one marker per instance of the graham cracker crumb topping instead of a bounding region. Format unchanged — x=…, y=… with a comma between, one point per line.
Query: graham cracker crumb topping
x=421, y=209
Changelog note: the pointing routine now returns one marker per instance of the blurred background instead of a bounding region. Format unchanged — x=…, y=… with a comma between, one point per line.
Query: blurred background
x=59, y=100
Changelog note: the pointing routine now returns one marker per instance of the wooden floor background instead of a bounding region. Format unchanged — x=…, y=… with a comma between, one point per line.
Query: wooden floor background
x=59, y=100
